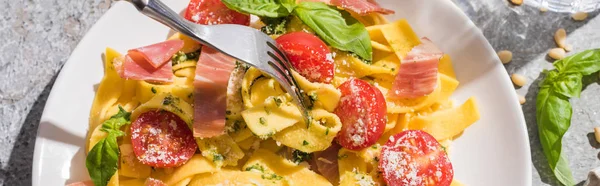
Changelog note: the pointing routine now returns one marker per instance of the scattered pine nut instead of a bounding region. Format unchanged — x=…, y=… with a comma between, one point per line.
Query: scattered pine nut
x=522, y=100
x=560, y=37
x=518, y=80
x=579, y=16
x=543, y=9
x=557, y=53
x=505, y=56
x=597, y=134
x=516, y=2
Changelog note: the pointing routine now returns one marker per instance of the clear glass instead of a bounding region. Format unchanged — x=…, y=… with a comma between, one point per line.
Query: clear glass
x=568, y=5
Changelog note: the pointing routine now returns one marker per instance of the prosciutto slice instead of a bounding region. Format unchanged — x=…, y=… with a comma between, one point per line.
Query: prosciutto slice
x=156, y=54
x=362, y=7
x=141, y=70
x=210, y=94
x=418, y=71
x=327, y=163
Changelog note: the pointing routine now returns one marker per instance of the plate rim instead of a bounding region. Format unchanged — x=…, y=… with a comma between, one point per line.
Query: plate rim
x=40, y=141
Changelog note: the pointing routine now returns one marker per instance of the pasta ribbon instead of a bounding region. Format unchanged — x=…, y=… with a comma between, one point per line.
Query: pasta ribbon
x=314, y=137
x=400, y=36
x=276, y=114
x=167, y=102
x=324, y=96
x=196, y=165
x=447, y=123
x=189, y=44
x=181, y=87
x=221, y=150
x=130, y=166
x=353, y=170
x=108, y=92
x=277, y=169
x=230, y=177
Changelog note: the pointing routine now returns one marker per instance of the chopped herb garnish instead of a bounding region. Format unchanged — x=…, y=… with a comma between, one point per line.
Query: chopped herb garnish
x=299, y=156
x=228, y=112
x=393, y=69
x=190, y=96
x=313, y=96
x=153, y=90
x=181, y=57
x=277, y=101
x=368, y=62
x=257, y=167
x=304, y=143
x=342, y=156
x=274, y=25
x=168, y=100
x=271, y=177
x=376, y=159
x=327, y=131
x=262, y=120
x=217, y=157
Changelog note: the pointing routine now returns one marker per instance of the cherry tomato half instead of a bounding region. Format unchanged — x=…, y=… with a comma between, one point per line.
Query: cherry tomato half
x=162, y=139
x=362, y=110
x=414, y=157
x=309, y=56
x=212, y=12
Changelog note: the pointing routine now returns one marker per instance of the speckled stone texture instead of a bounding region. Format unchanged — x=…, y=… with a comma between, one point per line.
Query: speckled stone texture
x=37, y=37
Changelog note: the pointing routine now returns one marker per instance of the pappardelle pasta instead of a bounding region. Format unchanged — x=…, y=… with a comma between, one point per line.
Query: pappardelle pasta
x=178, y=113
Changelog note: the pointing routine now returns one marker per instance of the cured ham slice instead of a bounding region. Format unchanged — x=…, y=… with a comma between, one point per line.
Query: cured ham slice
x=327, y=163
x=210, y=94
x=156, y=54
x=362, y=7
x=141, y=70
x=418, y=71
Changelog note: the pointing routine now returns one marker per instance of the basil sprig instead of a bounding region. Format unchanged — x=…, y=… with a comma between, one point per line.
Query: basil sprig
x=336, y=27
x=102, y=160
x=553, y=110
x=262, y=8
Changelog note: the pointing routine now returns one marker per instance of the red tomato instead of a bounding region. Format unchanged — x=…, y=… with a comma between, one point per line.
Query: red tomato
x=308, y=54
x=362, y=111
x=212, y=12
x=162, y=139
x=414, y=157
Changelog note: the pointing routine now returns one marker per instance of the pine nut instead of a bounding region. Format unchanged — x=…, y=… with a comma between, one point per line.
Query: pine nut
x=560, y=37
x=557, y=53
x=579, y=16
x=522, y=99
x=543, y=9
x=597, y=134
x=516, y=2
x=518, y=80
x=505, y=56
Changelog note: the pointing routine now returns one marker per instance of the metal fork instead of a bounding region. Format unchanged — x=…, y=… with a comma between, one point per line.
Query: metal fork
x=243, y=43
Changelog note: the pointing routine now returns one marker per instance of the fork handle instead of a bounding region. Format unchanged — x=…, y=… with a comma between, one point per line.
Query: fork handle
x=160, y=12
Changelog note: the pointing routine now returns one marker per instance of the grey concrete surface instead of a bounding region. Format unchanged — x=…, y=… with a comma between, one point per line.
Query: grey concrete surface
x=37, y=37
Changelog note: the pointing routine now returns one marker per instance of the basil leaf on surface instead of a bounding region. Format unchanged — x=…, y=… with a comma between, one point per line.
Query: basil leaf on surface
x=585, y=63
x=262, y=8
x=102, y=161
x=554, y=111
x=336, y=27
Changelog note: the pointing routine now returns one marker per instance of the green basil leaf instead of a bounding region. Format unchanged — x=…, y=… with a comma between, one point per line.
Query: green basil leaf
x=585, y=63
x=554, y=119
x=336, y=27
x=114, y=124
x=568, y=85
x=262, y=8
x=102, y=160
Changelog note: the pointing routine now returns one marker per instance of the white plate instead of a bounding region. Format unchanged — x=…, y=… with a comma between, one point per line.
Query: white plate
x=493, y=151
